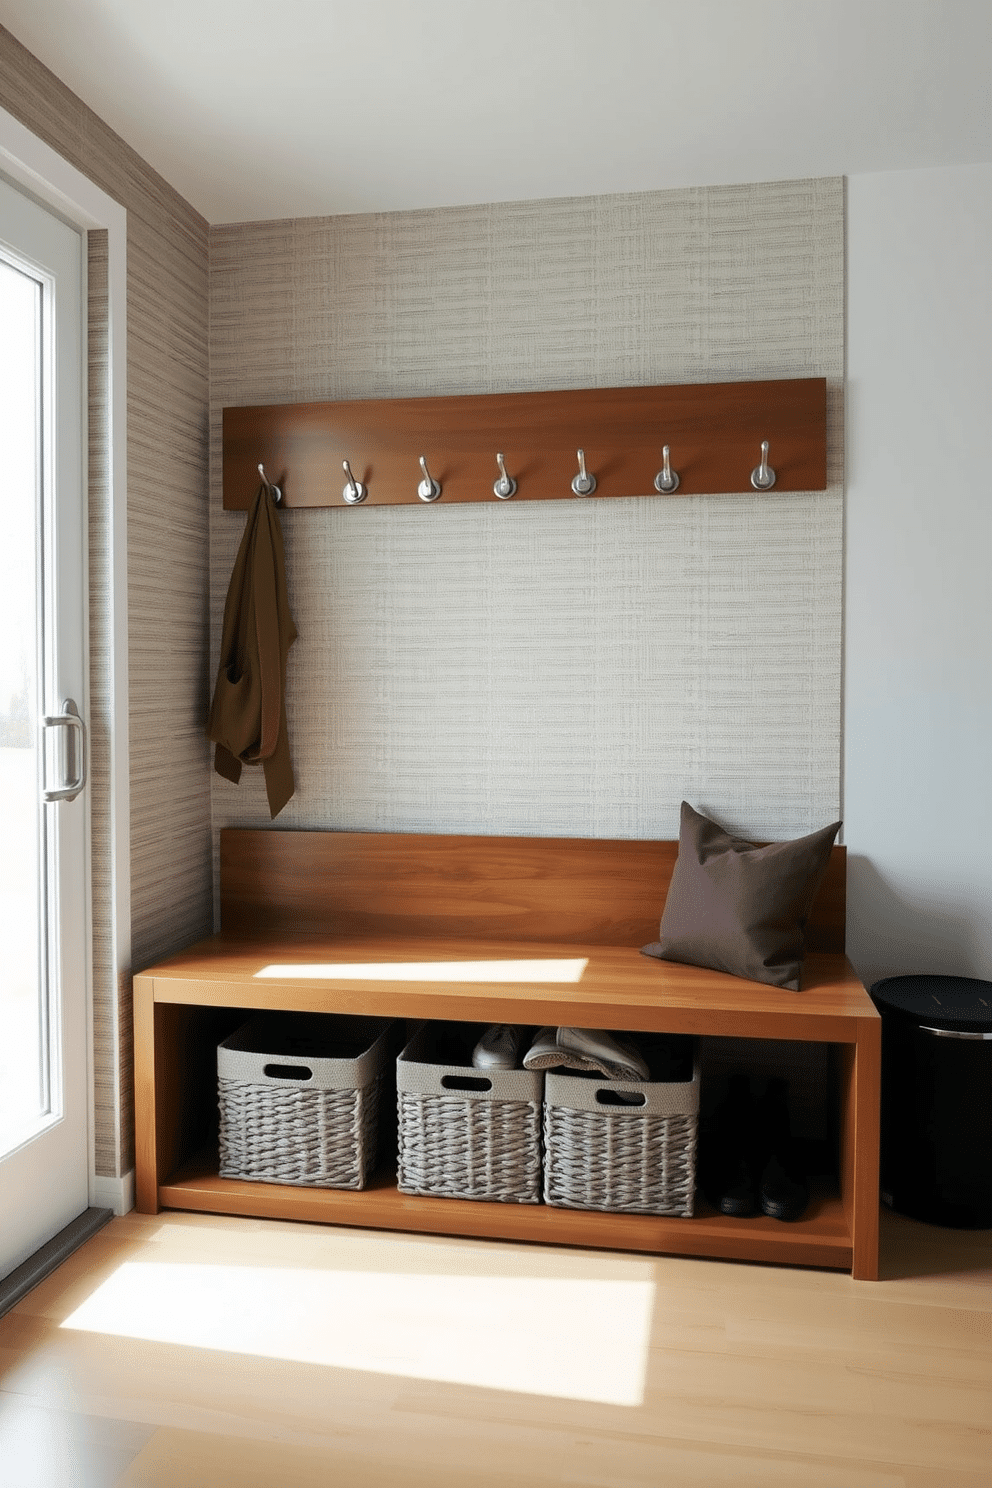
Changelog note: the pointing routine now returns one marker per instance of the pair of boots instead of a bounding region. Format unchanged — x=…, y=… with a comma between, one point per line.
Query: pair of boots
x=754, y=1164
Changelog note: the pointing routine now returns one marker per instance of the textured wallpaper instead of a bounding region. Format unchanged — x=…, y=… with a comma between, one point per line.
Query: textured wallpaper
x=167, y=568
x=107, y=1037
x=552, y=668
x=568, y=668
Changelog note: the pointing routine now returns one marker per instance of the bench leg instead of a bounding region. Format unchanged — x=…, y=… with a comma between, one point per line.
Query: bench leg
x=861, y=1073
x=145, y=1124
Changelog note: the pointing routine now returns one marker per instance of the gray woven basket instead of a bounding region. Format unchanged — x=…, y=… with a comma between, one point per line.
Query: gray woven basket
x=316, y=1132
x=458, y=1143
x=631, y=1159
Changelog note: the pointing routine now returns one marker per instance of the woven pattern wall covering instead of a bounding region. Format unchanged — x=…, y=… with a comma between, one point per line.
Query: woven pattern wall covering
x=107, y=1052
x=564, y=669
x=167, y=569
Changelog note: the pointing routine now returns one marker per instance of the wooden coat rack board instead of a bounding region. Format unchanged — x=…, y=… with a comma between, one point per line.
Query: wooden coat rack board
x=714, y=431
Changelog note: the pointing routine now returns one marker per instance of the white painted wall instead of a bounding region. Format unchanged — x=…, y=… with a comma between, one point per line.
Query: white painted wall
x=918, y=692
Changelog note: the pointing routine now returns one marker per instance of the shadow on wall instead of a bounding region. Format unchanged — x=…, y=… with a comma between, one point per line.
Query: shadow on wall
x=892, y=932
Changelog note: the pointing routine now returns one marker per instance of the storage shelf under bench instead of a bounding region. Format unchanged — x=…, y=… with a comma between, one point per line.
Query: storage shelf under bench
x=185, y=1005
x=821, y=1238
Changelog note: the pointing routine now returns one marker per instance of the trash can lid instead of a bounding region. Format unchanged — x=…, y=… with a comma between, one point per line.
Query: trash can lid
x=963, y=1004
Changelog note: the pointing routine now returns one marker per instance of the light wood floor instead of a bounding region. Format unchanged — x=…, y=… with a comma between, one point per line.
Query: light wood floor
x=742, y=1375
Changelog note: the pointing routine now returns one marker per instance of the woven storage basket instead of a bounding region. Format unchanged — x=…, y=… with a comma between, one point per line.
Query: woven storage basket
x=467, y=1143
x=633, y=1159
x=318, y=1131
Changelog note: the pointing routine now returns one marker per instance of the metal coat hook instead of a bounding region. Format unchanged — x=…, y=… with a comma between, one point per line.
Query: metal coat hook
x=354, y=491
x=274, y=490
x=583, y=484
x=763, y=476
x=506, y=486
x=667, y=480
x=429, y=489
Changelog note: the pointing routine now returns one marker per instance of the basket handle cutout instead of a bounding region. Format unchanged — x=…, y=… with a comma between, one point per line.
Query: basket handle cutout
x=465, y=1082
x=287, y=1072
x=621, y=1098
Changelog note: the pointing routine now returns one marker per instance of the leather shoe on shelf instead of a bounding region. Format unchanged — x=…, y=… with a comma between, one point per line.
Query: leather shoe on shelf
x=498, y=1048
x=731, y=1168
x=737, y=1195
x=784, y=1194
x=592, y=1050
x=784, y=1187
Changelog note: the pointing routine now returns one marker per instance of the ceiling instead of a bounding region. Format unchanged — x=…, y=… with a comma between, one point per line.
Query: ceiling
x=300, y=107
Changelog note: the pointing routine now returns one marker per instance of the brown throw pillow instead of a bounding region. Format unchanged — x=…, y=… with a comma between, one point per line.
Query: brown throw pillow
x=738, y=907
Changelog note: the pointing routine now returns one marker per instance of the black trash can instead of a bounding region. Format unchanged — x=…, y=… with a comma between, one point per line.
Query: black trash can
x=936, y=1158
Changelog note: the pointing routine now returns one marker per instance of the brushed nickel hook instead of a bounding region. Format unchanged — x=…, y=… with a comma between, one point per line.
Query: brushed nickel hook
x=274, y=490
x=583, y=484
x=429, y=489
x=667, y=480
x=506, y=486
x=354, y=491
x=763, y=476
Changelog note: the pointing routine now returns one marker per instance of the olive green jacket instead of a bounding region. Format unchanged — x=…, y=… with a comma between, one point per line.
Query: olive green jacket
x=248, y=714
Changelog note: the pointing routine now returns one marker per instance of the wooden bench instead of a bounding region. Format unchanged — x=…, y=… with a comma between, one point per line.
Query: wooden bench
x=488, y=929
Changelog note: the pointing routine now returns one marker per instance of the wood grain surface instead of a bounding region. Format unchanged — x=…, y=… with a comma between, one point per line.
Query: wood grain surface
x=751, y=1377
x=518, y=930
x=590, y=891
x=616, y=988
x=714, y=431
x=821, y=1238
x=628, y=991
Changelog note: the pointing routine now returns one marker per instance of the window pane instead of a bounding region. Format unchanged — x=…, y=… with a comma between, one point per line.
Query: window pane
x=24, y=1082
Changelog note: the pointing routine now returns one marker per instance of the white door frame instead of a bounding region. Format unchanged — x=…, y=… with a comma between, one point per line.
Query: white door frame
x=27, y=162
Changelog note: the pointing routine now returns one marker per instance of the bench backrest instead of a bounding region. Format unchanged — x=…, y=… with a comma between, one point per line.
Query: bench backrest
x=558, y=890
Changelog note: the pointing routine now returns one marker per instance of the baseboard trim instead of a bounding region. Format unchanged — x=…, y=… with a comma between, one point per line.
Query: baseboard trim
x=48, y=1259
x=113, y=1193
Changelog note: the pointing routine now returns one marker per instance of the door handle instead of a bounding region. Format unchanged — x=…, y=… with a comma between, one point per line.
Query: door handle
x=69, y=719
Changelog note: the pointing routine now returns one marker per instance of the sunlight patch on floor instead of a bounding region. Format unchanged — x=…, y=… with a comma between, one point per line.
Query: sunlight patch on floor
x=539, y=971
x=575, y=1339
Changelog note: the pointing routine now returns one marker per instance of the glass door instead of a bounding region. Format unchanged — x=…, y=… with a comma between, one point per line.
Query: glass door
x=44, y=1142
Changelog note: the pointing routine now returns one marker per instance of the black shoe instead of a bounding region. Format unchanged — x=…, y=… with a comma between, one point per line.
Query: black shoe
x=738, y=1194
x=784, y=1194
x=730, y=1169
x=784, y=1186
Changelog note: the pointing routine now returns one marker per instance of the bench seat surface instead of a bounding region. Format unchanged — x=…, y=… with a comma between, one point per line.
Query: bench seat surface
x=591, y=986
